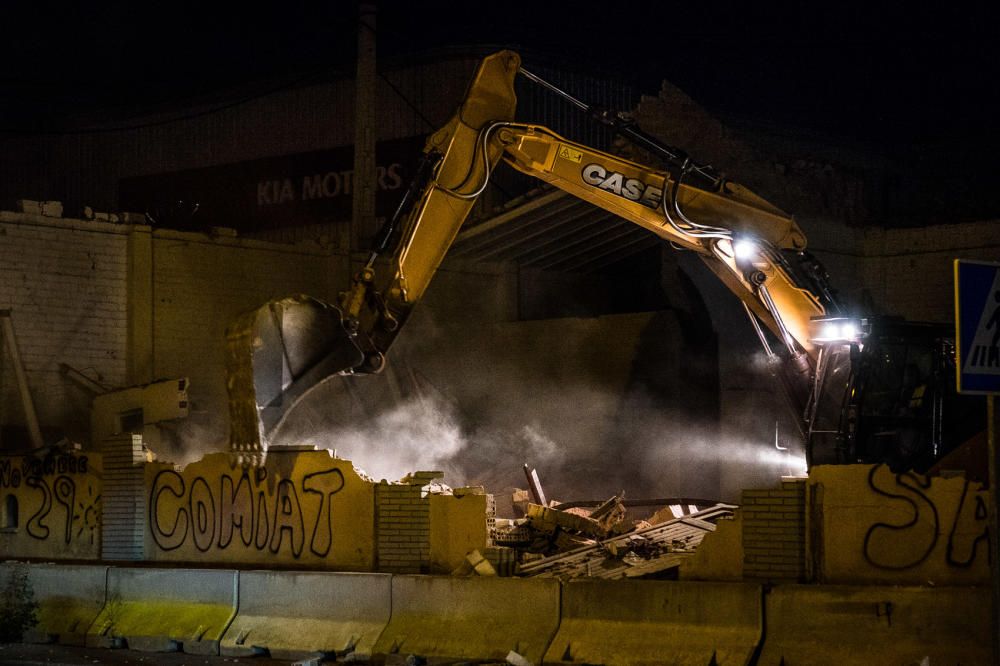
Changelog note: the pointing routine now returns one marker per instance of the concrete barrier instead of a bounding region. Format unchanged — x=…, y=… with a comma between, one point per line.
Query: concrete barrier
x=297, y=614
x=164, y=610
x=640, y=622
x=69, y=598
x=471, y=618
x=833, y=624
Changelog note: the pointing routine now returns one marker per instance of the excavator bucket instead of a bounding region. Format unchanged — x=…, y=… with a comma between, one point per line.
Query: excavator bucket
x=275, y=355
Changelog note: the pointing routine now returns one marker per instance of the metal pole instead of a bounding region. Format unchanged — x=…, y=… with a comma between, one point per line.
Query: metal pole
x=30, y=416
x=363, y=213
x=991, y=436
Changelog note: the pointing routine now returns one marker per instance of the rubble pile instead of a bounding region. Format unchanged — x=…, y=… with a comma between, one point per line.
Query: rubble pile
x=650, y=551
x=553, y=539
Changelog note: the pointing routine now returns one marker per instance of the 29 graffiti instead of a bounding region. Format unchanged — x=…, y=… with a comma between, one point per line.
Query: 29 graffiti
x=217, y=514
x=48, y=485
x=85, y=511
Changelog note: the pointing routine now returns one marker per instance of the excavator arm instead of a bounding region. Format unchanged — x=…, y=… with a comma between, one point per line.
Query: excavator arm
x=710, y=222
x=747, y=242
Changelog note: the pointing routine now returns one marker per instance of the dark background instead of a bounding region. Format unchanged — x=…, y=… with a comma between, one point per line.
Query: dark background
x=883, y=74
x=916, y=83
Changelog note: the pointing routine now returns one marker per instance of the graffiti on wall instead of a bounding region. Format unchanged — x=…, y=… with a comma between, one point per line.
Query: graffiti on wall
x=55, y=497
x=207, y=514
x=931, y=520
x=260, y=514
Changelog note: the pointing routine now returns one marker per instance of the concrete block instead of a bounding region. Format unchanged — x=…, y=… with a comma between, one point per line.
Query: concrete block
x=69, y=598
x=840, y=624
x=52, y=208
x=295, y=615
x=166, y=610
x=471, y=618
x=642, y=623
x=133, y=218
x=28, y=206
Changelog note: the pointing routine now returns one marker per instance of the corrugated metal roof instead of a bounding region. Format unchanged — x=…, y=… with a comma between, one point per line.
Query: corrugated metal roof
x=551, y=230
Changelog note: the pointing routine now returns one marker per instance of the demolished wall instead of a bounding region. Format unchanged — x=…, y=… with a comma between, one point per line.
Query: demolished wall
x=302, y=509
x=307, y=509
x=299, y=508
x=863, y=524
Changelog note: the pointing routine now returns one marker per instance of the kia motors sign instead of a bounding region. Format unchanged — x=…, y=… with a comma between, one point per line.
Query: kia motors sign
x=272, y=192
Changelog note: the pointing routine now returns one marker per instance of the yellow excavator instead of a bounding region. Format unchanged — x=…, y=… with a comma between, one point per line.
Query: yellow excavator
x=863, y=389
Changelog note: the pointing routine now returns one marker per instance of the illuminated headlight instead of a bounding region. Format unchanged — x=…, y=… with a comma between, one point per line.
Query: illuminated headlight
x=839, y=330
x=744, y=249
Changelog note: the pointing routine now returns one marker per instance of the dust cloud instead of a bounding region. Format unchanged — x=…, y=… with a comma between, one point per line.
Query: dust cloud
x=629, y=403
x=585, y=444
x=416, y=435
x=187, y=440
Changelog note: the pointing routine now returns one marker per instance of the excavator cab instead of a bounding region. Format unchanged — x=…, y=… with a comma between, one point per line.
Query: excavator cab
x=888, y=396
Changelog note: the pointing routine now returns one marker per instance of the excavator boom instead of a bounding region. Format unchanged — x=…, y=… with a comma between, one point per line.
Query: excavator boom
x=743, y=239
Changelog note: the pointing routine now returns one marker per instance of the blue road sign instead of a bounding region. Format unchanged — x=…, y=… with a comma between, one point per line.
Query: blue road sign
x=977, y=326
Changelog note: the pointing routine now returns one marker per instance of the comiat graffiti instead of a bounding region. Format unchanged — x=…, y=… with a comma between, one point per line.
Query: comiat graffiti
x=55, y=492
x=967, y=528
x=232, y=509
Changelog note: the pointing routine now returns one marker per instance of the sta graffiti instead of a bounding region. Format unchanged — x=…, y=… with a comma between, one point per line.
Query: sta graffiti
x=232, y=510
x=965, y=525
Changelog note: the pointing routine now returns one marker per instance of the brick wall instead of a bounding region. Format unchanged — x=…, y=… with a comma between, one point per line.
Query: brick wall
x=127, y=305
x=403, y=525
x=123, y=516
x=774, y=533
x=68, y=283
x=909, y=272
x=200, y=285
x=65, y=282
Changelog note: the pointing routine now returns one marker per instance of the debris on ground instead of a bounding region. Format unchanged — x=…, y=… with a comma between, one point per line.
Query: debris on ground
x=648, y=551
x=520, y=499
x=514, y=659
x=480, y=565
x=594, y=539
x=550, y=520
x=534, y=485
x=611, y=538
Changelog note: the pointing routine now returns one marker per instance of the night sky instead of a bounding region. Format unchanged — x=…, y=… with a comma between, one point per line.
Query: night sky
x=880, y=75
x=876, y=73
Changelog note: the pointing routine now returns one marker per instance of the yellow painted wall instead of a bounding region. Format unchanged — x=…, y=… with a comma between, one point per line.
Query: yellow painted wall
x=300, y=509
x=868, y=525
x=458, y=527
x=58, y=506
x=720, y=554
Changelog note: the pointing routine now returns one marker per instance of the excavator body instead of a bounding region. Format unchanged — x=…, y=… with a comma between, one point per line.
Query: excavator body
x=862, y=391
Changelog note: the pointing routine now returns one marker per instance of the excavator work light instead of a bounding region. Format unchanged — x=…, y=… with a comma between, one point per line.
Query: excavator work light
x=839, y=330
x=744, y=249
